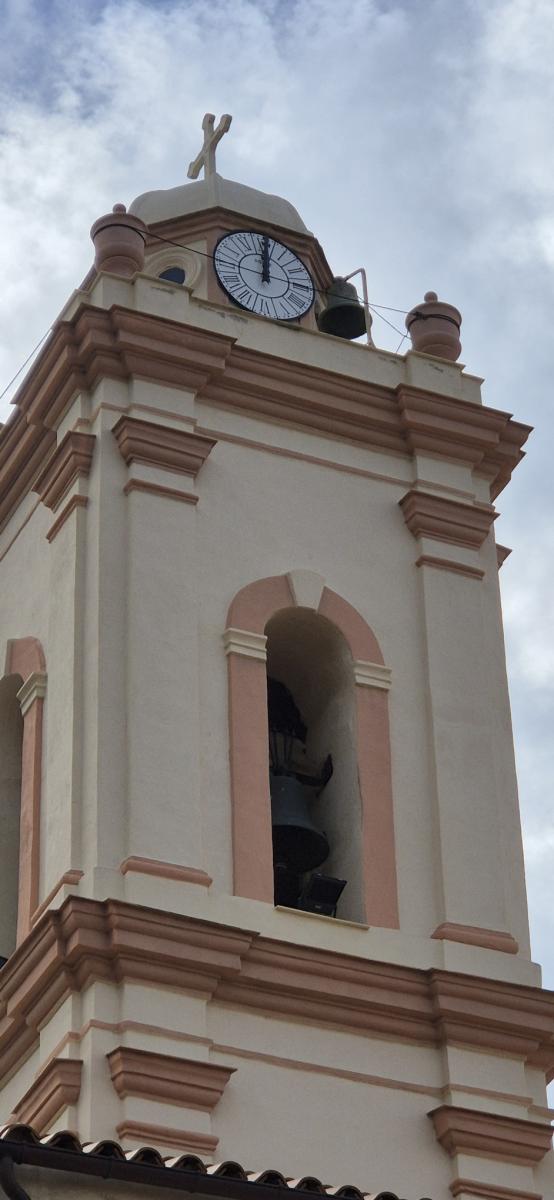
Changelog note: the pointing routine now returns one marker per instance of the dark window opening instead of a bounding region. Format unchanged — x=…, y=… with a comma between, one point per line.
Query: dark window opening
x=174, y=275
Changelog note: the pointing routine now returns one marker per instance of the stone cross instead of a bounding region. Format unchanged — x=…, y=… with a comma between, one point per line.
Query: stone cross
x=206, y=158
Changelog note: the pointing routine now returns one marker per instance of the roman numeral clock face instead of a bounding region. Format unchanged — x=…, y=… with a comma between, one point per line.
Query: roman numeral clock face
x=263, y=275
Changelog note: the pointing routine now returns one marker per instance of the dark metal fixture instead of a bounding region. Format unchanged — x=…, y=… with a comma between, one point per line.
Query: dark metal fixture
x=343, y=314
x=321, y=894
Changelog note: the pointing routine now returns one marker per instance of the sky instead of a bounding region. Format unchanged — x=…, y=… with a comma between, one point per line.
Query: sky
x=415, y=137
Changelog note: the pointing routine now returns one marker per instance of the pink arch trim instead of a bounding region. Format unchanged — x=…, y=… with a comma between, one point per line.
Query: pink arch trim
x=25, y=657
x=250, y=611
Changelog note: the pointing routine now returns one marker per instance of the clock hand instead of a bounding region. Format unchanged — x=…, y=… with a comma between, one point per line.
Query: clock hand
x=265, y=259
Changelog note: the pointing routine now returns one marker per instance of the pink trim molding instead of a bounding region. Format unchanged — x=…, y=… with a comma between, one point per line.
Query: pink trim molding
x=71, y=460
x=472, y=935
x=428, y=515
x=186, y=1082
x=165, y=870
x=490, y=1191
x=25, y=657
x=179, y=450
x=56, y=1087
x=70, y=878
x=72, y=504
x=249, y=612
x=162, y=1135
x=488, y=1135
x=446, y=564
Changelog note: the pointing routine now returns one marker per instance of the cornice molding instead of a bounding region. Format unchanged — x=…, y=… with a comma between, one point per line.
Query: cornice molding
x=118, y=343
x=372, y=675
x=165, y=870
x=472, y=935
x=71, y=460
x=33, y=689
x=452, y=521
x=179, y=450
x=163, y=1135
x=484, y=1134
x=249, y=645
x=168, y=1079
x=490, y=1191
x=56, y=1087
x=87, y=939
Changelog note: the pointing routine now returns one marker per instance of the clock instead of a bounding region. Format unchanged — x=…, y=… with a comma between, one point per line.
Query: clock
x=263, y=275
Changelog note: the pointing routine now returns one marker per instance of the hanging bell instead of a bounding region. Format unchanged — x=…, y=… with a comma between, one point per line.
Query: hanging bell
x=297, y=843
x=343, y=314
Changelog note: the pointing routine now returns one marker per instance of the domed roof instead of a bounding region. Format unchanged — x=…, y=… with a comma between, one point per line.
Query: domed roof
x=166, y=204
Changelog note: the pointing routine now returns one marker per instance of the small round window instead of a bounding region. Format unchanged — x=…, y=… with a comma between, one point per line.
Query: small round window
x=174, y=275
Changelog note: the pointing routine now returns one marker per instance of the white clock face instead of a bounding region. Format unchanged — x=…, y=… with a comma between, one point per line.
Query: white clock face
x=263, y=275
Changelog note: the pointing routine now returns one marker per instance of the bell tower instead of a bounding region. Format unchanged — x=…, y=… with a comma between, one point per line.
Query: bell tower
x=263, y=899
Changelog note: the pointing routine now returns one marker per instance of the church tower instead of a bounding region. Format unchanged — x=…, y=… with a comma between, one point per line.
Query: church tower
x=261, y=877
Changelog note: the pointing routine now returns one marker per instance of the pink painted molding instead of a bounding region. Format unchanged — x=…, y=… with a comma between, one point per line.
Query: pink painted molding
x=165, y=870
x=71, y=460
x=96, y=344
x=56, y=1088
x=490, y=1191
x=157, y=489
x=74, y=503
x=179, y=450
x=86, y=940
x=163, y=1135
x=473, y=935
x=25, y=657
x=428, y=515
x=488, y=1135
x=502, y=553
x=446, y=564
x=186, y=1082
x=70, y=878
x=250, y=611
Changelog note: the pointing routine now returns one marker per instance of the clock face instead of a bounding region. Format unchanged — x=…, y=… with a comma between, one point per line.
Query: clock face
x=263, y=275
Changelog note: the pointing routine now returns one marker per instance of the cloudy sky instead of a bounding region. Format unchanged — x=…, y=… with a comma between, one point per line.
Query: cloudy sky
x=414, y=136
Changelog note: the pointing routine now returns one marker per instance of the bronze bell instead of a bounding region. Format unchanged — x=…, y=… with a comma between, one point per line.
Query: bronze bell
x=297, y=842
x=343, y=314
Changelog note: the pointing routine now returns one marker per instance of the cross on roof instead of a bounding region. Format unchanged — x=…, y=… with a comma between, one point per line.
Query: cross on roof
x=206, y=157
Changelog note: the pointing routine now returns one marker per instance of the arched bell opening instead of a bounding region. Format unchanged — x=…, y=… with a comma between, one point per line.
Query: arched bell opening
x=315, y=795
x=11, y=748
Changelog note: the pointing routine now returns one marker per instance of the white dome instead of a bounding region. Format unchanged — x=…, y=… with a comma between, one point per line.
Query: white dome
x=163, y=205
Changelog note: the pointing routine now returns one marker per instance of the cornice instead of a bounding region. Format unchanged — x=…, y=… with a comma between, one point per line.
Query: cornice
x=119, y=343
x=489, y=1191
x=186, y=1082
x=179, y=450
x=71, y=460
x=459, y=524
x=56, y=1087
x=488, y=1135
x=87, y=939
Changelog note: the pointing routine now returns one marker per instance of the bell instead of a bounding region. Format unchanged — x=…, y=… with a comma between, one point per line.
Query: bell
x=296, y=841
x=343, y=314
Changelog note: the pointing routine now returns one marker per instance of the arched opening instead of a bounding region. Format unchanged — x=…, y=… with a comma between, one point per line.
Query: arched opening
x=316, y=802
x=11, y=749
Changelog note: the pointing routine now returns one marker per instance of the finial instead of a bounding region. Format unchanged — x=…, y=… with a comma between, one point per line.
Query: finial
x=434, y=328
x=119, y=240
x=206, y=157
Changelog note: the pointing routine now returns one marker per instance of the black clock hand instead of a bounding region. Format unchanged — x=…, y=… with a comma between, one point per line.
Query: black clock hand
x=265, y=259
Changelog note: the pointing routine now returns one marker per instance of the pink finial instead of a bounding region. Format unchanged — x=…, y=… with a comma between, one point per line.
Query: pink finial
x=434, y=328
x=119, y=239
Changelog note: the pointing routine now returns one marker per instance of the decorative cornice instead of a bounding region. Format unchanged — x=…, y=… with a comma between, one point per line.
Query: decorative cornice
x=428, y=515
x=72, y=504
x=448, y=564
x=165, y=870
x=490, y=1191
x=158, y=489
x=70, y=878
x=472, y=935
x=71, y=460
x=178, y=450
x=250, y=645
x=372, y=675
x=33, y=689
x=186, y=1082
x=163, y=1135
x=502, y=553
x=55, y=1088
x=119, y=343
x=87, y=939
x=485, y=1134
